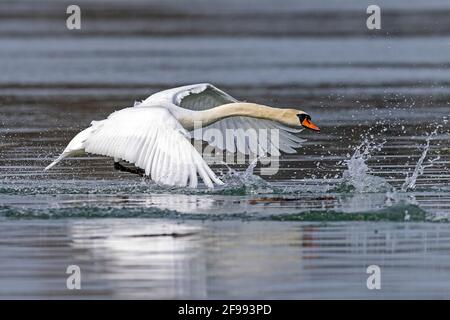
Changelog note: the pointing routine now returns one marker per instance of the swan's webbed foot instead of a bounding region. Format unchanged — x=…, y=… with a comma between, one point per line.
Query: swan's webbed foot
x=121, y=167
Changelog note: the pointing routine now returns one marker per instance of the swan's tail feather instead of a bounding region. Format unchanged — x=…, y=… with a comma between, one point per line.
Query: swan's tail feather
x=51, y=165
x=75, y=146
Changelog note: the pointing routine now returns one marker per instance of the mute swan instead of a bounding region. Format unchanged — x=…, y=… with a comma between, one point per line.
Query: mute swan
x=154, y=134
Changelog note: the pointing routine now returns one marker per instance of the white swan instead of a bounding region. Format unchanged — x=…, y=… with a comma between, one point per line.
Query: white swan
x=154, y=134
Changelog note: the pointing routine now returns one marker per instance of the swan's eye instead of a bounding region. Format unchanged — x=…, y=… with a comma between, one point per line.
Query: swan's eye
x=303, y=116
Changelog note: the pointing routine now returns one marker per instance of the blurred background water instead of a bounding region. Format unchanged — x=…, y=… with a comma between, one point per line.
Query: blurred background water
x=371, y=188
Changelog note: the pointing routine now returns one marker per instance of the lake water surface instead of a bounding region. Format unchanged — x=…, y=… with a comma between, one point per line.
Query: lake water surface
x=373, y=188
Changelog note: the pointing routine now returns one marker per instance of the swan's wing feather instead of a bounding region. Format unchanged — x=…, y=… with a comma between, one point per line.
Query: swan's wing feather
x=242, y=134
x=249, y=135
x=151, y=139
x=197, y=97
x=207, y=98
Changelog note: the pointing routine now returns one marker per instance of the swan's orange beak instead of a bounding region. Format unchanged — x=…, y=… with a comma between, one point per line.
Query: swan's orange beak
x=309, y=125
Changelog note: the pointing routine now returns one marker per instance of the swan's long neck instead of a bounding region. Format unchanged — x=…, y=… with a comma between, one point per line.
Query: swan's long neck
x=207, y=117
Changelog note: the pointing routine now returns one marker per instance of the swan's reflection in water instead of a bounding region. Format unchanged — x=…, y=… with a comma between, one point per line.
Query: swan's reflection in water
x=144, y=259
x=229, y=259
x=150, y=258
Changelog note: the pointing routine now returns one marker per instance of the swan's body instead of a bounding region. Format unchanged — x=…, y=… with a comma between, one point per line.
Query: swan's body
x=154, y=134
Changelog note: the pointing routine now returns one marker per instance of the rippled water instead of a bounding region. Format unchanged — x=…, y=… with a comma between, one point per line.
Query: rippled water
x=371, y=188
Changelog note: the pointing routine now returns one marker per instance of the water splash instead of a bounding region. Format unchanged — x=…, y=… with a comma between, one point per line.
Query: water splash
x=244, y=182
x=410, y=181
x=357, y=177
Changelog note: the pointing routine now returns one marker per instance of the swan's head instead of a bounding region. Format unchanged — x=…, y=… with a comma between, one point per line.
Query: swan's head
x=299, y=119
x=305, y=122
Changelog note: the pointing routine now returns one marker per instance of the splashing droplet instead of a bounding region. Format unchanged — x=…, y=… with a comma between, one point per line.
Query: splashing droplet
x=410, y=181
x=357, y=177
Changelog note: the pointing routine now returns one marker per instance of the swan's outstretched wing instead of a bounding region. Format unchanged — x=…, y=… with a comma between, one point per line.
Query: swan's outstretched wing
x=249, y=135
x=153, y=140
x=243, y=134
x=196, y=97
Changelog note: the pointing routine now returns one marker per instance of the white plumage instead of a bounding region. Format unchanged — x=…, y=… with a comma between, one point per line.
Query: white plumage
x=155, y=134
x=204, y=96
